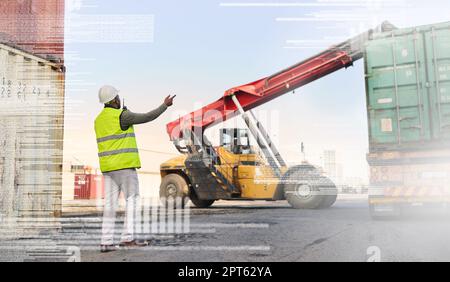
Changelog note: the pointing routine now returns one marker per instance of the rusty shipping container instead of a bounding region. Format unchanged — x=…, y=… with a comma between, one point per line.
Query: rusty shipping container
x=31, y=143
x=408, y=102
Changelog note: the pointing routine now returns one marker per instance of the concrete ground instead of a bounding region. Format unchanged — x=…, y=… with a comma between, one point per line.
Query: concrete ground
x=261, y=231
x=255, y=232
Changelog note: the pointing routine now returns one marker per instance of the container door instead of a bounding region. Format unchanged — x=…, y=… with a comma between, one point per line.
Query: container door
x=438, y=62
x=397, y=104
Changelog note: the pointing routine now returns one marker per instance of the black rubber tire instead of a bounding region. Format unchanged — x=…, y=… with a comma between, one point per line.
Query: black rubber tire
x=174, y=186
x=312, y=180
x=203, y=204
x=330, y=198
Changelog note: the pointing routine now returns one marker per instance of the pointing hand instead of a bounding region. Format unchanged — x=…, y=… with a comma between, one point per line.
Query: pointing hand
x=169, y=100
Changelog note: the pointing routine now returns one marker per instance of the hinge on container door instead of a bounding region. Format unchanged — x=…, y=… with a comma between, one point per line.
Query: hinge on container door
x=428, y=84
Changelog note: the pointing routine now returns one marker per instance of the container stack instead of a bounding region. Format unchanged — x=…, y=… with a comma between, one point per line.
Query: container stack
x=408, y=100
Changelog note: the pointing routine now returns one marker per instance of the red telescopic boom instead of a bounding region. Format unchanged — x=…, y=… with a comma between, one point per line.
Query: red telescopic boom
x=264, y=90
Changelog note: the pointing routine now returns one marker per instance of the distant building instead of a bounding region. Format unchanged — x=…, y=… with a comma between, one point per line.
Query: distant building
x=331, y=167
x=329, y=163
x=335, y=171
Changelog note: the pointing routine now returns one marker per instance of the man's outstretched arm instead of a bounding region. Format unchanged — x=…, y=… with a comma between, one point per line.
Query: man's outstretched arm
x=128, y=118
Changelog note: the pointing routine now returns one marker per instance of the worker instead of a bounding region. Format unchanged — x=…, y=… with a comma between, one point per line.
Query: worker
x=119, y=159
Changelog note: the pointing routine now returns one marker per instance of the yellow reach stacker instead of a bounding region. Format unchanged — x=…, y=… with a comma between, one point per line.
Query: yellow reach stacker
x=237, y=171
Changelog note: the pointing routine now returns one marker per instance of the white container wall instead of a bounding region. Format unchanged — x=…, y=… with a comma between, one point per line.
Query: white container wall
x=31, y=135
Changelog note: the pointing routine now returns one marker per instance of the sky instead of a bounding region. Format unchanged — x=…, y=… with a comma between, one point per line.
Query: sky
x=197, y=49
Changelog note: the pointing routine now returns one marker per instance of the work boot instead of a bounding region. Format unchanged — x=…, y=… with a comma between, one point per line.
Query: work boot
x=107, y=248
x=135, y=243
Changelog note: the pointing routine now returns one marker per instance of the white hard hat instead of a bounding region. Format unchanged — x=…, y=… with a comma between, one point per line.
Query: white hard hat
x=107, y=93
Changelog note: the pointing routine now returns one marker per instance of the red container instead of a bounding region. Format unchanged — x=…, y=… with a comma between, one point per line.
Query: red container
x=89, y=187
x=97, y=190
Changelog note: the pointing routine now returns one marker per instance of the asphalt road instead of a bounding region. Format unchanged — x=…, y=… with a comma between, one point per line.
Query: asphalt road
x=243, y=231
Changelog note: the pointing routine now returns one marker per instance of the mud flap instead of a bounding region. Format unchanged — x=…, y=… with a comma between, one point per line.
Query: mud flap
x=203, y=182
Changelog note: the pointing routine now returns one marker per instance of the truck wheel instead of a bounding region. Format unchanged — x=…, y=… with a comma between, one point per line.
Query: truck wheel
x=200, y=203
x=309, y=190
x=330, y=198
x=173, y=191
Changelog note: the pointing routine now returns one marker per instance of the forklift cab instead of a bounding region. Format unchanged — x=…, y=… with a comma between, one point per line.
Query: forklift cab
x=235, y=140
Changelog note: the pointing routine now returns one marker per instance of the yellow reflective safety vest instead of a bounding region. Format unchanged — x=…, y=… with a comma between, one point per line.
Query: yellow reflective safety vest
x=117, y=149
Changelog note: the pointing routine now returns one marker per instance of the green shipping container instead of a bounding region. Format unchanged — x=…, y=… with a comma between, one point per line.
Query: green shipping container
x=408, y=88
